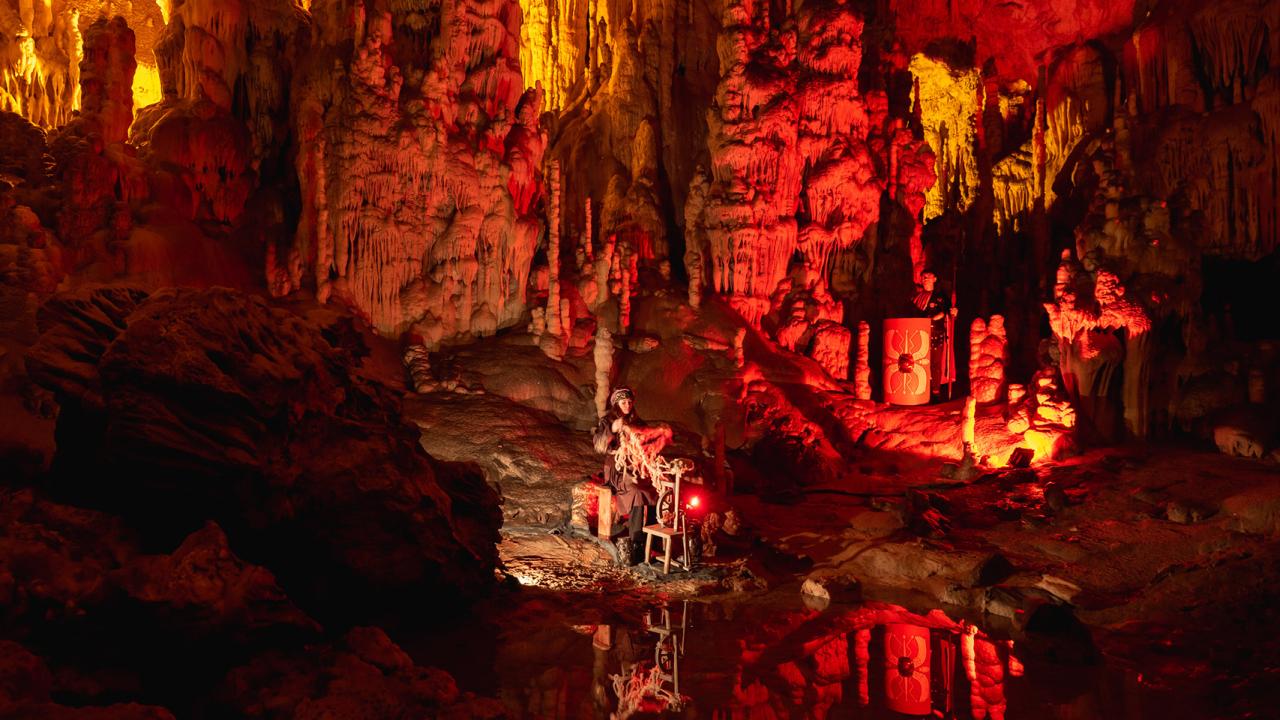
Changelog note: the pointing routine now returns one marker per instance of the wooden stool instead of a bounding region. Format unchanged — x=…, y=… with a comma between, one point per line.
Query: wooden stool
x=668, y=535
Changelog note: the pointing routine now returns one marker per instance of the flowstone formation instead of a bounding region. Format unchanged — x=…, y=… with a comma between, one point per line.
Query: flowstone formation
x=800, y=158
x=418, y=165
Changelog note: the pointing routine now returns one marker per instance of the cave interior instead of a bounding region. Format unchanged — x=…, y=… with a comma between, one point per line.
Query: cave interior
x=328, y=326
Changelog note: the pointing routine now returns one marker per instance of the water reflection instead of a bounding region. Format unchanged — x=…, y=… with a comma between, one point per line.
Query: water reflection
x=651, y=687
x=878, y=660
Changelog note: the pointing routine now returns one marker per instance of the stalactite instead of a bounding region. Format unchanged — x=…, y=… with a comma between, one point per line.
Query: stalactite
x=695, y=252
x=1230, y=39
x=588, y=251
x=40, y=55
x=1013, y=184
x=628, y=272
x=1267, y=106
x=755, y=164
x=1222, y=164
x=553, y=47
x=1064, y=128
x=842, y=183
x=911, y=175
x=949, y=101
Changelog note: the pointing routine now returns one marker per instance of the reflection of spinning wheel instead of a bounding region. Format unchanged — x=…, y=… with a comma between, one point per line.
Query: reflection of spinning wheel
x=666, y=659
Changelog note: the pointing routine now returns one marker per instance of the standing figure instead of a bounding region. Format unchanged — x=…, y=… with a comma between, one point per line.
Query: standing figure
x=631, y=494
x=931, y=303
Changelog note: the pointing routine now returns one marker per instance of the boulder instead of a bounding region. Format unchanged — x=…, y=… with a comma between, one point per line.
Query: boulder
x=832, y=586
x=947, y=574
x=215, y=404
x=528, y=457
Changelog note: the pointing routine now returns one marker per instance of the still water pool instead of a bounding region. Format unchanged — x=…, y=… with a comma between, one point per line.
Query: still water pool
x=576, y=655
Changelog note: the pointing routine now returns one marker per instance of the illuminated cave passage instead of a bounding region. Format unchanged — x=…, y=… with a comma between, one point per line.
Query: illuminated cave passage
x=635, y=358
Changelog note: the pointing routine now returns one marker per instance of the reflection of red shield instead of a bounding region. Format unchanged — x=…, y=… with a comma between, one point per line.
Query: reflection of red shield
x=906, y=668
x=906, y=361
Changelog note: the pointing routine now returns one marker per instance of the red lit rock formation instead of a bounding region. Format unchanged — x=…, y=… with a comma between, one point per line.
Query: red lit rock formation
x=55, y=559
x=755, y=161
x=408, y=214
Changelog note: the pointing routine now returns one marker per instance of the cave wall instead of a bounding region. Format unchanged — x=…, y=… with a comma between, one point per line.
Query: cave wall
x=806, y=161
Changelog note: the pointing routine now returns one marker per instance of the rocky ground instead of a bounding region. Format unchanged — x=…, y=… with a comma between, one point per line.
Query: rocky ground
x=249, y=486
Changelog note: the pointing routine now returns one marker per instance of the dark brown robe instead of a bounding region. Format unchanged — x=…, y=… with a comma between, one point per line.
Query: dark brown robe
x=627, y=495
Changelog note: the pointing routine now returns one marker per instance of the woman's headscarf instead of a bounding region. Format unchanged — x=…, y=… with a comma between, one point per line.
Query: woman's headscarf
x=619, y=394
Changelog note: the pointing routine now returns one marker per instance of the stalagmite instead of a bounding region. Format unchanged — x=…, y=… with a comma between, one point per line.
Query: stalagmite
x=603, y=356
x=862, y=375
x=588, y=251
x=417, y=361
x=628, y=271
x=695, y=259
x=553, y=248
x=862, y=657
x=831, y=348
x=969, y=427
x=988, y=353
